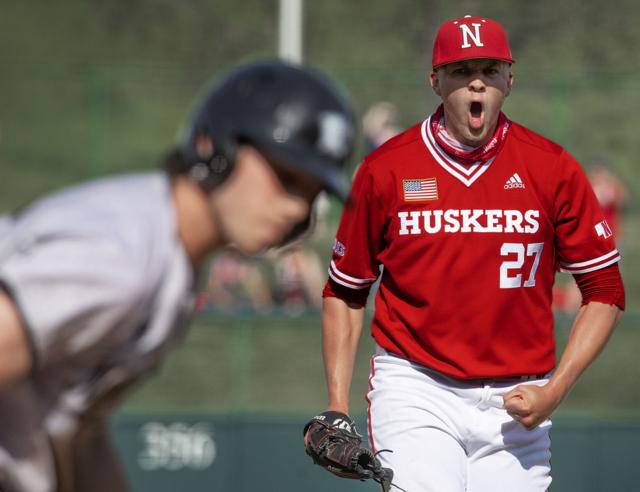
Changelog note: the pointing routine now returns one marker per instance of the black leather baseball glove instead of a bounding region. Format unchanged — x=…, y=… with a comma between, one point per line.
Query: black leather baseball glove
x=333, y=443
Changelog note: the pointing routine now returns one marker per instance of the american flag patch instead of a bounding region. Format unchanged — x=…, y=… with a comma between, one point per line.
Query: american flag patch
x=419, y=189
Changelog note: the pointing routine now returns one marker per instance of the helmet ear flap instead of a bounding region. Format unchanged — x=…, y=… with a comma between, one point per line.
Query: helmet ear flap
x=203, y=147
x=214, y=161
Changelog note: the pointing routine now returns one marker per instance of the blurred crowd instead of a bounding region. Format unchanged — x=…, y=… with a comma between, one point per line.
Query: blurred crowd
x=290, y=281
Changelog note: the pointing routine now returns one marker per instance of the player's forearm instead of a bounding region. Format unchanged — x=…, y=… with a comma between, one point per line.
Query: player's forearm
x=341, y=330
x=591, y=330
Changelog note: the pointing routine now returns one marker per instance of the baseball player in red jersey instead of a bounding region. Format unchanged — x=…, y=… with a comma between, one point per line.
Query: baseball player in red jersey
x=465, y=218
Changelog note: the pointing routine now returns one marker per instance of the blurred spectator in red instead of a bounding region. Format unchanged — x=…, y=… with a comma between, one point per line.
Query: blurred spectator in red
x=298, y=280
x=237, y=283
x=379, y=124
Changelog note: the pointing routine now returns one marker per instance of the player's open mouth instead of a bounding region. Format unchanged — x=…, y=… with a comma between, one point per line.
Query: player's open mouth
x=476, y=115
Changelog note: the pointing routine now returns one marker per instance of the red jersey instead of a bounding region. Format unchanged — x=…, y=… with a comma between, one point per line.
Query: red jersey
x=469, y=253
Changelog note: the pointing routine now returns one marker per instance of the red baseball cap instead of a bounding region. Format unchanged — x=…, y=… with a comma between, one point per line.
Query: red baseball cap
x=468, y=38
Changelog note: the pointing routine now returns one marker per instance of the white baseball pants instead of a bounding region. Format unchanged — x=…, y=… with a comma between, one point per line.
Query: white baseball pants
x=449, y=435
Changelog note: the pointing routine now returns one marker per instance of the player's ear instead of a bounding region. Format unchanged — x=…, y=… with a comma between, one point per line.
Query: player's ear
x=434, y=81
x=509, y=81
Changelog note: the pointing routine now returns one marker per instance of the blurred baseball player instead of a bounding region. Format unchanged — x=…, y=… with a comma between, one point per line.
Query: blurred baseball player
x=98, y=280
x=469, y=215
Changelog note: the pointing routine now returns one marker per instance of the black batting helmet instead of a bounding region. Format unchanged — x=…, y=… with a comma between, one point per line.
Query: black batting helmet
x=292, y=113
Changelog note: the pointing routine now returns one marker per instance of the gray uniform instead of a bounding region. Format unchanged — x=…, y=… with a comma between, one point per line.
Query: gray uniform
x=104, y=287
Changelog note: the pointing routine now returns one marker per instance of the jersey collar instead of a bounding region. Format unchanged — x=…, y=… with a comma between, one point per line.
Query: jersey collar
x=466, y=174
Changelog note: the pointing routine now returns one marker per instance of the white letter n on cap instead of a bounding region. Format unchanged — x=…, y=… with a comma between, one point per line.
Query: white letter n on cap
x=466, y=34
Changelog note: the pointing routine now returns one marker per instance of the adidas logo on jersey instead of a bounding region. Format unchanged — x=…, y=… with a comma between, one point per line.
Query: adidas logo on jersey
x=514, y=182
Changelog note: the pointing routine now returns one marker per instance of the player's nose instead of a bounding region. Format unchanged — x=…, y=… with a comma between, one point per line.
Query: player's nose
x=476, y=84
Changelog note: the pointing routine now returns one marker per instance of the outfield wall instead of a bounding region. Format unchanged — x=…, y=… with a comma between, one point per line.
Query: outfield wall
x=213, y=453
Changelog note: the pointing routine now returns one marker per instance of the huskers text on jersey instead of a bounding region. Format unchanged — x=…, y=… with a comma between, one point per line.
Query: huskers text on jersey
x=468, y=220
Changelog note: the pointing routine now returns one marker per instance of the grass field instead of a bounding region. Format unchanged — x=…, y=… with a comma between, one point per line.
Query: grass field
x=273, y=364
